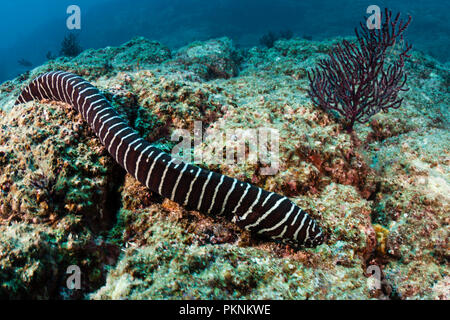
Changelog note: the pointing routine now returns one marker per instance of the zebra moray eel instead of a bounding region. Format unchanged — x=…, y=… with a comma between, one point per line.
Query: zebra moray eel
x=264, y=213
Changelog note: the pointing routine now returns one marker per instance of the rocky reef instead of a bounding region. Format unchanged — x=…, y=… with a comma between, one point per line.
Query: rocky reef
x=381, y=193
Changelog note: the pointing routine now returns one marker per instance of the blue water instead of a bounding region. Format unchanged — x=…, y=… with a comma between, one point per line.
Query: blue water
x=29, y=29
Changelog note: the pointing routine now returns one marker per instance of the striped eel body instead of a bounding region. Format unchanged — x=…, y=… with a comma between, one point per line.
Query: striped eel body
x=264, y=213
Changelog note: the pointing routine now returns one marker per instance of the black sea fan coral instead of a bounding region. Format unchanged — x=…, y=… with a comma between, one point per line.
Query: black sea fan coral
x=355, y=81
x=70, y=46
x=269, y=38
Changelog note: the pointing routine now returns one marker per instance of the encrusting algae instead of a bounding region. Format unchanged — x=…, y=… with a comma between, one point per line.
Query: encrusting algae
x=381, y=193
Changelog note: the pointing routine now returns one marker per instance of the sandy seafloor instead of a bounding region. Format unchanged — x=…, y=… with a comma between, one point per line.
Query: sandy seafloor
x=382, y=194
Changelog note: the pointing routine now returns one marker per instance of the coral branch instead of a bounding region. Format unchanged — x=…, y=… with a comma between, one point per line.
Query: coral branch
x=354, y=81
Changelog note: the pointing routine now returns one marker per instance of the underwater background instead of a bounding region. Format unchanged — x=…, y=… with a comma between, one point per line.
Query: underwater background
x=29, y=29
x=380, y=192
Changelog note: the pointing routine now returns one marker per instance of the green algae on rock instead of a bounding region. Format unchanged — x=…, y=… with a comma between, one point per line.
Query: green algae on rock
x=211, y=59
